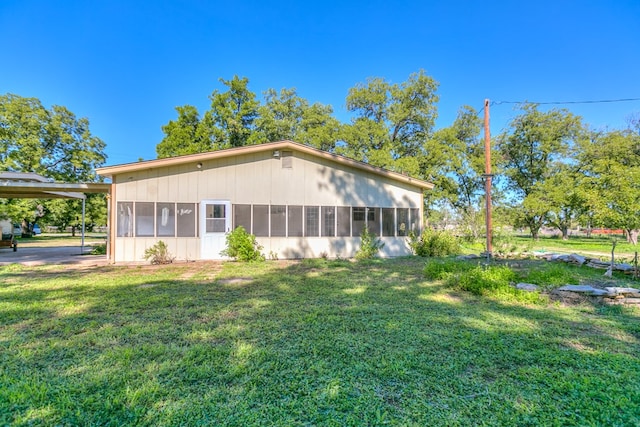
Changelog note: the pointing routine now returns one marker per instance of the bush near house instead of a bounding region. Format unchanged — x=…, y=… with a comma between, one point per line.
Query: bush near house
x=370, y=245
x=242, y=246
x=158, y=254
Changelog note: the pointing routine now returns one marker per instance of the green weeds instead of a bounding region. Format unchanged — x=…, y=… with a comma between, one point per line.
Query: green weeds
x=433, y=243
x=494, y=280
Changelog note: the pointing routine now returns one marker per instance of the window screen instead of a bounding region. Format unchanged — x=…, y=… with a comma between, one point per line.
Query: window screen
x=125, y=219
x=295, y=221
x=312, y=221
x=242, y=217
x=358, y=221
x=186, y=219
x=373, y=221
x=402, y=222
x=415, y=220
x=388, y=222
x=328, y=221
x=215, y=219
x=144, y=219
x=261, y=220
x=343, y=221
x=165, y=219
x=278, y=221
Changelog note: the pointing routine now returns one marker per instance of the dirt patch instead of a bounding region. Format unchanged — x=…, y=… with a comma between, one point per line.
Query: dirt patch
x=235, y=280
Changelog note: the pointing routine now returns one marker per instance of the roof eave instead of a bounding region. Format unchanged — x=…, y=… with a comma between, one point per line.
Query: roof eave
x=110, y=171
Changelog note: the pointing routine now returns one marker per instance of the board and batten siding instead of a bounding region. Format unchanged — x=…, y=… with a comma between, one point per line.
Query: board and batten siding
x=259, y=178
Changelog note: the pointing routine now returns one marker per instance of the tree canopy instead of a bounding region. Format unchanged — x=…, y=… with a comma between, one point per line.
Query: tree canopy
x=236, y=118
x=392, y=122
x=550, y=170
x=51, y=142
x=534, y=147
x=610, y=167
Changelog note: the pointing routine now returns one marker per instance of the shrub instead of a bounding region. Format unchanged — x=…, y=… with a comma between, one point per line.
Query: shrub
x=505, y=244
x=99, y=249
x=158, y=254
x=369, y=246
x=242, y=246
x=432, y=243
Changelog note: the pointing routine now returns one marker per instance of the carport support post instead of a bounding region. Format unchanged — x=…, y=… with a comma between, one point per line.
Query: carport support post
x=83, y=211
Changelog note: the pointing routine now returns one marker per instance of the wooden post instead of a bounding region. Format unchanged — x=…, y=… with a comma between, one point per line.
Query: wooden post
x=488, y=176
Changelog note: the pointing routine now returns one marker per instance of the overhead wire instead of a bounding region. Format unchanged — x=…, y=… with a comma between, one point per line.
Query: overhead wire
x=599, y=101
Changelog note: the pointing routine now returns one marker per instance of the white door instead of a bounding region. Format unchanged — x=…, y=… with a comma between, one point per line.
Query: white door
x=215, y=222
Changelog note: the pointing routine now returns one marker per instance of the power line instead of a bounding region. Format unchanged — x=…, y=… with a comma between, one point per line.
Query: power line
x=600, y=101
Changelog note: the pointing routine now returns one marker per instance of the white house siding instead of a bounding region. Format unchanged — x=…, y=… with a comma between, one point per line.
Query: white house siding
x=259, y=178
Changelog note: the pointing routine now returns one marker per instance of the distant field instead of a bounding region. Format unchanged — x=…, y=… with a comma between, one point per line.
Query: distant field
x=595, y=246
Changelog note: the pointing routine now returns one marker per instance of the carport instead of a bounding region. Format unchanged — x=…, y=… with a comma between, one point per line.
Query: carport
x=28, y=185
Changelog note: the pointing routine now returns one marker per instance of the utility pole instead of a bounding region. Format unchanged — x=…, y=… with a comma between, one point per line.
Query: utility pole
x=487, y=175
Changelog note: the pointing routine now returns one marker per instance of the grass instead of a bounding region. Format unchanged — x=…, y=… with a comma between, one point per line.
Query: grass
x=595, y=246
x=315, y=342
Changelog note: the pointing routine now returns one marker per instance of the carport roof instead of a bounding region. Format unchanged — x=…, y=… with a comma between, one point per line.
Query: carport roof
x=28, y=185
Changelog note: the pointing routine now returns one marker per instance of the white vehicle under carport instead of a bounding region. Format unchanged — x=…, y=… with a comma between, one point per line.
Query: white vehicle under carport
x=8, y=237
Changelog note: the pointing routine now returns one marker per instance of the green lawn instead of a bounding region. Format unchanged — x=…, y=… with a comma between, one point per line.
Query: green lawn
x=308, y=343
x=599, y=246
x=62, y=239
x=595, y=246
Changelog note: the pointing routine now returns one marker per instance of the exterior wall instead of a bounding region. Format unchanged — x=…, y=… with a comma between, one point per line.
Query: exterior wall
x=259, y=178
x=333, y=247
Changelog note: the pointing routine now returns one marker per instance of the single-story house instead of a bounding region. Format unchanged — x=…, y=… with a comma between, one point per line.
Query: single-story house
x=300, y=202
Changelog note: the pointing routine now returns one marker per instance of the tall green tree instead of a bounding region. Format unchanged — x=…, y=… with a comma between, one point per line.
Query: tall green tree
x=392, y=123
x=460, y=181
x=186, y=135
x=531, y=149
x=232, y=114
x=228, y=123
x=285, y=115
x=463, y=155
x=565, y=196
x=237, y=118
x=610, y=163
x=67, y=213
x=51, y=142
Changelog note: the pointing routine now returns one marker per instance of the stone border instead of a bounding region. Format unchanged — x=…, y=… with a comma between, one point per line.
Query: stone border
x=584, y=293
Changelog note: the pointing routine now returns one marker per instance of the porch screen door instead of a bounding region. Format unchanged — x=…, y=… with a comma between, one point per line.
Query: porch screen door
x=215, y=222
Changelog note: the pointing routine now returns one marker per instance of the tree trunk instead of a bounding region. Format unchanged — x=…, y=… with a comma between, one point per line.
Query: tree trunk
x=534, y=233
x=632, y=236
x=565, y=233
x=73, y=231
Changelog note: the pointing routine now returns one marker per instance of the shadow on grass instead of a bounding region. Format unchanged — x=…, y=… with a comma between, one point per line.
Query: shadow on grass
x=314, y=342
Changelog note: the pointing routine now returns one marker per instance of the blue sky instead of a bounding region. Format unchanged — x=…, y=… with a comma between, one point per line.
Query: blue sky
x=125, y=65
